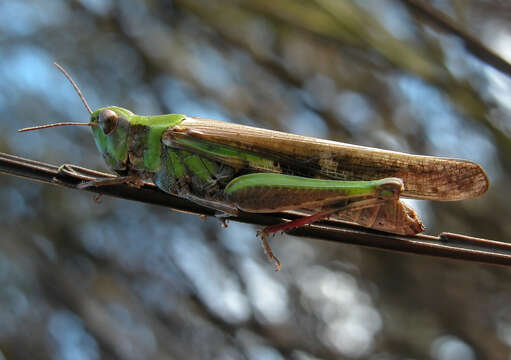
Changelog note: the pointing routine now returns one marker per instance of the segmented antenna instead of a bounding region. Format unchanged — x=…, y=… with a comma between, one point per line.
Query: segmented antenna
x=54, y=125
x=64, y=123
x=75, y=86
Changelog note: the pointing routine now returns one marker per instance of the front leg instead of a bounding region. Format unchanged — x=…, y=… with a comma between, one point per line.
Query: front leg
x=223, y=209
x=96, y=178
x=132, y=180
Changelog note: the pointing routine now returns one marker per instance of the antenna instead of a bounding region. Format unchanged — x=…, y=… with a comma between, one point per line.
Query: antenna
x=77, y=89
x=75, y=86
x=54, y=125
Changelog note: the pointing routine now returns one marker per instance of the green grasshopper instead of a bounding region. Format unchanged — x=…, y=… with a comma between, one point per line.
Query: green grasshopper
x=230, y=167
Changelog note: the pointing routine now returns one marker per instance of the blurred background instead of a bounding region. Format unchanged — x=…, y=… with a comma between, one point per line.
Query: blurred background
x=125, y=280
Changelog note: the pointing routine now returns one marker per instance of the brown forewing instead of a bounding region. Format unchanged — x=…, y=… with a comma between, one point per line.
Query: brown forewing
x=425, y=177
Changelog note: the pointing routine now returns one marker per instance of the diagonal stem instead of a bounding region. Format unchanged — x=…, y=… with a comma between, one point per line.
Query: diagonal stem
x=447, y=245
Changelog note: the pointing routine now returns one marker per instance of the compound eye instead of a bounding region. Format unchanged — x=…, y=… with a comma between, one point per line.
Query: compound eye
x=107, y=121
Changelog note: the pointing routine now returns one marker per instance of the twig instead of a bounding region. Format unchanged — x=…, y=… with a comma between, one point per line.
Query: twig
x=447, y=245
x=473, y=45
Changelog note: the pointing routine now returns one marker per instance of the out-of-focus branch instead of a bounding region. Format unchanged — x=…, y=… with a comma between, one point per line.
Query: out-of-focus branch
x=473, y=45
x=447, y=245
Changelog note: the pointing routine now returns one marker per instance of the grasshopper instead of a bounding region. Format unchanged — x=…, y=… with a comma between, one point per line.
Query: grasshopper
x=230, y=167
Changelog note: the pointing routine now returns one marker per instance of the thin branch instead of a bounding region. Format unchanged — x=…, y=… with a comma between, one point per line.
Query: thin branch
x=473, y=45
x=447, y=245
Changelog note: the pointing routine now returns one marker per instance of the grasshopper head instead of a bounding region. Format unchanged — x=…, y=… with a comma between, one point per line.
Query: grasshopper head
x=110, y=128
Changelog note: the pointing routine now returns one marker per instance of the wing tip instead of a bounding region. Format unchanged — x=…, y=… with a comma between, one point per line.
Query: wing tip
x=462, y=180
x=480, y=183
x=470, y=182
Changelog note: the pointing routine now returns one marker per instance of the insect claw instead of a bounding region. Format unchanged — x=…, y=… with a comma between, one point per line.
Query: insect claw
x=224, y=222
x=277, y=263
x=66, y=168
